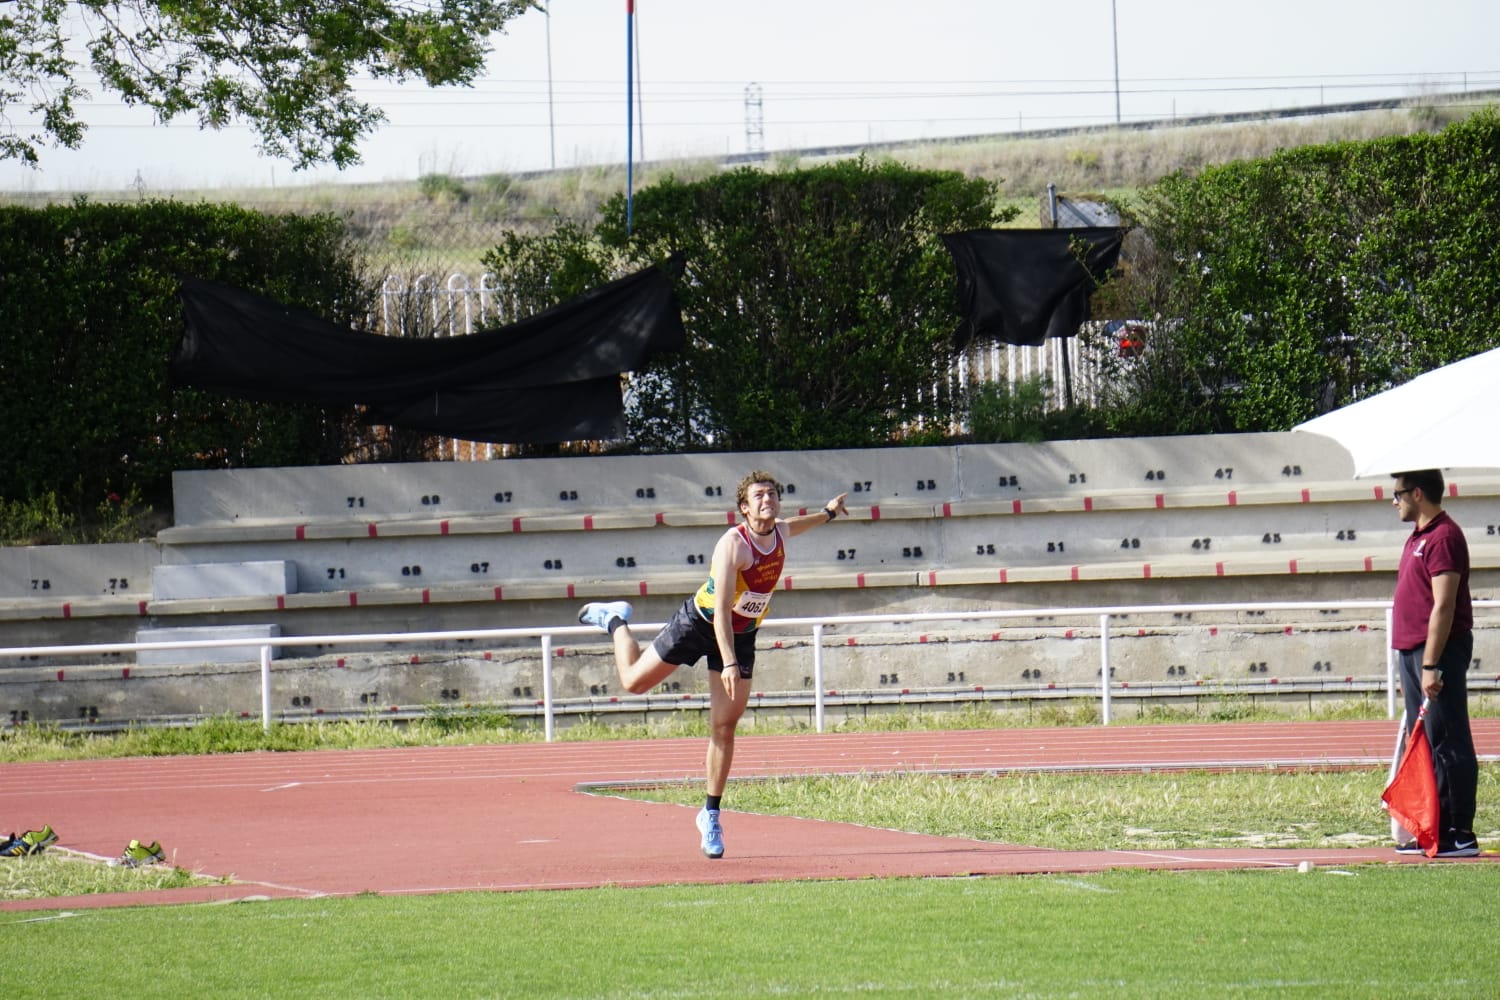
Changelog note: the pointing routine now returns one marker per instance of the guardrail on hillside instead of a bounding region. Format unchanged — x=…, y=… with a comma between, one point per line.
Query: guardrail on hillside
x=816, y=626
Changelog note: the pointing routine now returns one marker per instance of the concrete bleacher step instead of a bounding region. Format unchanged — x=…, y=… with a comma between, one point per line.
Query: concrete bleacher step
x=172, y=656
x=187, y=581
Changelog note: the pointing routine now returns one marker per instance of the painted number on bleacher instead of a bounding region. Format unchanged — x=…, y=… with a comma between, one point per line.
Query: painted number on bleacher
x=598, y=689
x=1322, y=666
x=1130, y=543
x=552, y=564
x=431, y=500
x=302, y=701
x=955, y=678
x=567, y=495
x=1202, y=544
x=863, y=486
x=1077, y=478
x=1271, y=538
x=846, y=554
x=479, y=567
x=713, y=491
x=1225, y=473
x=911, y=552
x=88, y=711
x=985, y=549
x=1177, y=670
x=1155, y=475
x=1257, y=667
x=503, y=496
x=47, y=584
x=1009, y=481
x=521, y=692
x=118, y=583
x=926, y=484
x=336, y=572
x=625, y=562
x=450, y=694
x=1291, y=470
x=695, y=559
x=19, y=715
x=890, y=678
x=1057, y=546
x=355, y=501
x=369, y=697
x=411, y=570
x=646, y=493
x=1346, y=535
x=789, y=488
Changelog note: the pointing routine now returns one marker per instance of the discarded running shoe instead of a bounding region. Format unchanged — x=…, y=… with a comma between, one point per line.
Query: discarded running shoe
x=138, y=854
x=29, y=843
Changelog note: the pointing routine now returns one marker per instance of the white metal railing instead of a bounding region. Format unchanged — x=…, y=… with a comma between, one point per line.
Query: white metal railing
x=1102, y=615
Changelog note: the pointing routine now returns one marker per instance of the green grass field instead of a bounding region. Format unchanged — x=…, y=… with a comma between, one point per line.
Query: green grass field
x=1326, y=933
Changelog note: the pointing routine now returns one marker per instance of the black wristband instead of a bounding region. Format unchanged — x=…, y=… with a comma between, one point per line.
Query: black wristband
x=832, y=513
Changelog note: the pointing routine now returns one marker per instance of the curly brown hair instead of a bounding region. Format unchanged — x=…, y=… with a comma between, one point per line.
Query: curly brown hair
x=758, y=476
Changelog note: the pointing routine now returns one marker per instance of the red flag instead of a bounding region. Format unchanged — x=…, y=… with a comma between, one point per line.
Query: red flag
x=1412, y=796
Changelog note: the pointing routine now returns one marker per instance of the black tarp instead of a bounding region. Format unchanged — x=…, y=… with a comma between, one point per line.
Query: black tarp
x=551, y=377
x=1022, y=286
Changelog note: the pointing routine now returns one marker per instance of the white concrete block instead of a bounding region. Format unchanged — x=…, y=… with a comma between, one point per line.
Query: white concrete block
x=227, y=579
x=215, y=654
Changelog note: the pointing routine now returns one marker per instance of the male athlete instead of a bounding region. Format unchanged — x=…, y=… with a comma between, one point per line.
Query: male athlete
x=719, y=622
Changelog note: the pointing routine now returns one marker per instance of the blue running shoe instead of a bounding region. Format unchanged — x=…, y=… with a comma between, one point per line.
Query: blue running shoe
x=713, y=833
x=600, y=615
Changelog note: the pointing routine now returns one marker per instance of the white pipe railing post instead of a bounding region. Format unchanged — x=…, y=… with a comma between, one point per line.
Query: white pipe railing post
x=265, y=688
x=1390, y=664
x=548, y=724
x=1104, y=668
x=818, y=677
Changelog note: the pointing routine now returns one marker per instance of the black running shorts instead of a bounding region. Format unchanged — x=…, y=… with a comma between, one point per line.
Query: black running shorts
x=688, y=638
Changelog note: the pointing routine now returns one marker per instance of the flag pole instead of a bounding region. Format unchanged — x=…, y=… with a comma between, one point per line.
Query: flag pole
x=629, y=113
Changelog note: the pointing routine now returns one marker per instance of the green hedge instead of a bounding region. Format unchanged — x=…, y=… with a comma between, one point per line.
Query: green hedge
x=89, y=316
x=1295, y=284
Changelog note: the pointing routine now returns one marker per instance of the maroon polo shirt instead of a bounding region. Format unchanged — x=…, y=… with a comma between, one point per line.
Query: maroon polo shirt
x=1438, y=548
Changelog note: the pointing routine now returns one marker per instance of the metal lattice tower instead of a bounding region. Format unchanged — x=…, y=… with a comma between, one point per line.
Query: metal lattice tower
x=755, y=124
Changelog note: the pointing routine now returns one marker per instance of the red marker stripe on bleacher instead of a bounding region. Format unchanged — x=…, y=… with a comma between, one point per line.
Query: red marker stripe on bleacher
x=1088, y=503
x=1291, y=567
x=1380, y=493
x=353, y=599
x=141, y=605
x=301, y=532
x=932, y=579
x=1234, y=499
x=498, y=594
x=442, y=527
x=1218, y=569
x=588, y=522
x=874, y=512
x=1161, y=501
x=426, y=596
x=947, y=509
x=786, y=583
x=643, y=588
x=661, y=518
x=859, y=579
x=1369, y=563
x=1306, y=495
x=280, y=602
x=1073, y=573
x=67, y=610
x=1146, y=570
x=1003, y=576
x=1453, y=489
x=374, y=531
x=571, y=595
x=730, y=518
x=1015, y=506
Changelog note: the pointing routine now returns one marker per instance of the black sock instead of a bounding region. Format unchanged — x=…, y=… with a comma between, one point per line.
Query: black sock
x=711, y=801
x=614, y=623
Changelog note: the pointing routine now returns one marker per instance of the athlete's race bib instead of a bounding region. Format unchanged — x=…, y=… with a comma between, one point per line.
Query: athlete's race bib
x=751, y=604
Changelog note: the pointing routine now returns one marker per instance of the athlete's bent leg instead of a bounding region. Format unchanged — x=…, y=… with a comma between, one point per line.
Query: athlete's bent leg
x=639, y=671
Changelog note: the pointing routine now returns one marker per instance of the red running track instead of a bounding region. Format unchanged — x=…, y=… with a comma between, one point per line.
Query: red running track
x=444, y=819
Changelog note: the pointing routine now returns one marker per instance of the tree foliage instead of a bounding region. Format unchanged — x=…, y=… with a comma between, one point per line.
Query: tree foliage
x=819, y=303
x=1296, y=284
x=283, y=66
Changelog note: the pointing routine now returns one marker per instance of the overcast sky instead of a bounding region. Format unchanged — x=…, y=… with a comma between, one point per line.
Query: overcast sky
x=829, y=72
